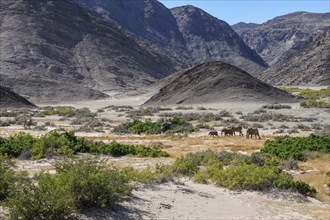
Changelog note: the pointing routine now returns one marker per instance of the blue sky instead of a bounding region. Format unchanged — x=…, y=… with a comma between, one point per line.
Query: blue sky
x=256, y=11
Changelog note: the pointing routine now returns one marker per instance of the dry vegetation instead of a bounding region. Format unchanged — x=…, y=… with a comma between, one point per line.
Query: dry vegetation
x=98, y=126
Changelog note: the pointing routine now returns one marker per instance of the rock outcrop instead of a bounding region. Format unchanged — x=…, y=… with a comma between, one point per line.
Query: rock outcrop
x=9, y=98
x=216, y=82
x=281, y=37
x=308, y=67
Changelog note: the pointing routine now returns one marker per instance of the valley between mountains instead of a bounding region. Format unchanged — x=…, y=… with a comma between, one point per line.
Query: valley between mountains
x=126, y=110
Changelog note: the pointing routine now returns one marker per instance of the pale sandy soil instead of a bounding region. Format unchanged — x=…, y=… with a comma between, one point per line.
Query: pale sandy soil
x=188, y=200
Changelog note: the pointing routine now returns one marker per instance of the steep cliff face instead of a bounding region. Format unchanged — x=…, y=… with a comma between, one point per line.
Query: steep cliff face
x=281, y=37
x=216, y=82
x=308, y=67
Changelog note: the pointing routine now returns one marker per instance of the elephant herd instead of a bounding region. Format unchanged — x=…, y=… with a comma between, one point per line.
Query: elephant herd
x=232, y=131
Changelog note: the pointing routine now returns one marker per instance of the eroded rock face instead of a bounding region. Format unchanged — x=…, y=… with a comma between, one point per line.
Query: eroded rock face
x=308, y=67
x=9, y=98
x=281, y=37
x=210, y=39
x=216, y=82
x=186, y=35
x=56, y=50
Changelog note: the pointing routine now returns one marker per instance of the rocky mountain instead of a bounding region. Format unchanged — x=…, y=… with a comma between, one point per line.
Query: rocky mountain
x=9, y=98
x=216, y=82
x=241, y=27
x=56, y=50
x=308, y=67
x=210, y=39
x=188, y=35
x=281, y=37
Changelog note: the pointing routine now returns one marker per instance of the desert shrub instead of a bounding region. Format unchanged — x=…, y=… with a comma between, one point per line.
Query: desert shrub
x=8, y=177
x=315, y=104
x=141, y=112
x=202, y=126
x=247, y=176
x=289, y=164
x=79, y=183
x=159, y=145
x=286, y=182
x=119, y=108
x=302, y=127
x=283, y=126
x=40, y=128
x=117, y=149
x=292, y=131
x=49, y=199
x=277, y=106
x=225, y=113
x=13, y=145
x=316, y=126
x=262, y=159
x=66, y=143
x=279, y=131
x=293, y=147
x=257, y=125
x=203, y=117
x=184, y=108
x=25, y=120
x=91, y=184
x=138, y=127
x=228, y=157
x=62, y=111
x=122, y=128
x=309, y=93
x=201, y=108
x=5, y=123
x=184, y=166
x=178, y=125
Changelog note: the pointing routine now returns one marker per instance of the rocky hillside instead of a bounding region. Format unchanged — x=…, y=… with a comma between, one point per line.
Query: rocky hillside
x=281, y=37
x=308, y=67
x=242, y=27
x=216, y=82
x=186, y=35
x=56, y=50
x=210, y=39
x=9, y=98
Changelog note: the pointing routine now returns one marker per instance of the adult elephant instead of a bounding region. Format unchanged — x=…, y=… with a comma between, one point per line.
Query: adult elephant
x=237, y=129
x=252, y=131
x=227, y=132
x=213, y=133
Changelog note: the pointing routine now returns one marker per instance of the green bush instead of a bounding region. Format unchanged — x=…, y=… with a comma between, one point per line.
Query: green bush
x=62, y=111
x=316, y=104
x=309, y=93
x=66, y=143
x=294, y=147
x=7, y=177
x=16, y=143
x=49, y=199
x=91, y=184
x=78, y=184
x=117, y=149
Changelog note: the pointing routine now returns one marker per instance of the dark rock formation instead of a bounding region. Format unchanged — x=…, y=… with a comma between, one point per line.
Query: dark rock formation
x=281, y=37
x=215, y=82
x=308, y=67
x=210, y=39
x=9, y=98
x=56, y=50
